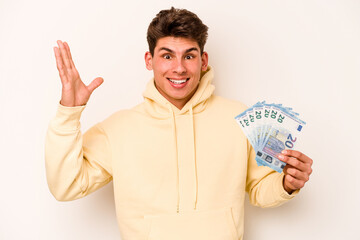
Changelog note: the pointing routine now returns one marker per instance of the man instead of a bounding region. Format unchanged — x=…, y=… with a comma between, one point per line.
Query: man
x=179, y=162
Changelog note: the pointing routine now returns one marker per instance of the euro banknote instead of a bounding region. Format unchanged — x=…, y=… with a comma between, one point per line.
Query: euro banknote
x=270, y=128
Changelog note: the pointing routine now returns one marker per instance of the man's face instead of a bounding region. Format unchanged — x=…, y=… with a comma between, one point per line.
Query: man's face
x=177, y=64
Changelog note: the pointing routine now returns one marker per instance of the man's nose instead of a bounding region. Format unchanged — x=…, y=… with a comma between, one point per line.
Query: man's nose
x=179, y=67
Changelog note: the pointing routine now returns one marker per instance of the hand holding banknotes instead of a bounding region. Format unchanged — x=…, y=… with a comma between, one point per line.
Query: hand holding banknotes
x=297, y=170
x=273, y=130
x=74, y=91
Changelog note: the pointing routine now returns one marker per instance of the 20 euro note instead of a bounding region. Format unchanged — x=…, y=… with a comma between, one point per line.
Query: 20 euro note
x=283, y=134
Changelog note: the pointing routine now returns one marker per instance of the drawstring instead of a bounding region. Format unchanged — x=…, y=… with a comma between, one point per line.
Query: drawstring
x=194, y=156
x=176, y=157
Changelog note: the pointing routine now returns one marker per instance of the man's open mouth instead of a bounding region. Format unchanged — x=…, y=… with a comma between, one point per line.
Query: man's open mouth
x=178, y=81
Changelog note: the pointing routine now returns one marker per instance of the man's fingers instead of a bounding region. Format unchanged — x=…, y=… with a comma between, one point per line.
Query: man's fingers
x=303, y=166
x=69, y=54
x=294, y=162
x=64, y=54
x=299, y=155
x=95, y=84
x=296, y=173
x=60, y=65
x=293, y=183
x=297, y=170
x=66, y=45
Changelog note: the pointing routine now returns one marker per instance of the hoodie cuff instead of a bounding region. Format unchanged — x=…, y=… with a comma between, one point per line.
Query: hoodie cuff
x=279, y=188
x=68, y=118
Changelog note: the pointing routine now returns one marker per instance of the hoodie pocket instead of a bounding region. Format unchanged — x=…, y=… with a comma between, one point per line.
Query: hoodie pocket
x=210, y=225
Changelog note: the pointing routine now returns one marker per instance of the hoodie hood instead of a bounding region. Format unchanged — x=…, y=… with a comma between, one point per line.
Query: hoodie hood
x=159, y=107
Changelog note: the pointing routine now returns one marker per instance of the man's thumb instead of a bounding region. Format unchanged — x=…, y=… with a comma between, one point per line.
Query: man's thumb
x=95, y=84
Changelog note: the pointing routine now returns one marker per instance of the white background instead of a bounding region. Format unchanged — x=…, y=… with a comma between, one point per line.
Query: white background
x=304, y=54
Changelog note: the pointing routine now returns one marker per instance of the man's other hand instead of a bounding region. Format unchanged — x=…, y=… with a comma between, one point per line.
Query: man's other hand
x=297, y=170
x=74, y=91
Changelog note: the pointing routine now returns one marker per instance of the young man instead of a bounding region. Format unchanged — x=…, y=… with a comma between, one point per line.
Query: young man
x=179, y=162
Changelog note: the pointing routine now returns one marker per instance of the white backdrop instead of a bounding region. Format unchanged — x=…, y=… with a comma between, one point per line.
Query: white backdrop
x=304, y=54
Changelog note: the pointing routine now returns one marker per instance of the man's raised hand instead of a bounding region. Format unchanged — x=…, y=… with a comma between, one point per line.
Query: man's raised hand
x=74, y=91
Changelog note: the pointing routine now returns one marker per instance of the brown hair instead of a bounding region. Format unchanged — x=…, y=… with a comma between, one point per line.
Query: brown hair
x=176, y=23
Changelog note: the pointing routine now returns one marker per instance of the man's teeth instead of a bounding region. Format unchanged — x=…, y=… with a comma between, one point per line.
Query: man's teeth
x=177, y=81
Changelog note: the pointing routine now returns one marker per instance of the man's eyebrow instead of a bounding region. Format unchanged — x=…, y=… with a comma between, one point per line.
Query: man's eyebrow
x=166, y=49
x=171, y=51
x=191, y=49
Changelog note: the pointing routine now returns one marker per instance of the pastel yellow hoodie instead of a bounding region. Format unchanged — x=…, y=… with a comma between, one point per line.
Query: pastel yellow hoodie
x=177, y=174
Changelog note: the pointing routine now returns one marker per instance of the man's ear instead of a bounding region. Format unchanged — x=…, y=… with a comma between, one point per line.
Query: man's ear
x=204, y=61
x=148, y=61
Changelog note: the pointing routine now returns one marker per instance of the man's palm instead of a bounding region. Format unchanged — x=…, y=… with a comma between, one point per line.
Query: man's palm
x=74, y=91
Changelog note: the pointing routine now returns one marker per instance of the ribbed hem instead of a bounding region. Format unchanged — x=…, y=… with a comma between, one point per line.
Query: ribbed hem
x=281, y=191
x=68, y=118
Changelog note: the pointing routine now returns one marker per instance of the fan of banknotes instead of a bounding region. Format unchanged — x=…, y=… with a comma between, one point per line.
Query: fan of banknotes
x=270, y=128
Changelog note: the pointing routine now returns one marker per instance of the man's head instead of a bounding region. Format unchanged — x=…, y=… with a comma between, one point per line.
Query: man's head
x=176, y=54
x=176, y=23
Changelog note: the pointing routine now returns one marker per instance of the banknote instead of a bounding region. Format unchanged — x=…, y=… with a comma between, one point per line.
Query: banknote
x=270, y=128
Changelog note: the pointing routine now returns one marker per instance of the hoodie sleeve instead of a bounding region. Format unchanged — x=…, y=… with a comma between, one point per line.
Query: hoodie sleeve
x=76, y=164
x=264, y=185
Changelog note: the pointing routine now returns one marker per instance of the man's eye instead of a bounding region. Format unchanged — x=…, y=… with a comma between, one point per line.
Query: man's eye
x=167, y=56
x=189, y=57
